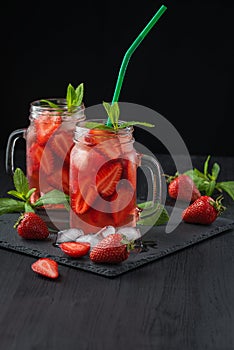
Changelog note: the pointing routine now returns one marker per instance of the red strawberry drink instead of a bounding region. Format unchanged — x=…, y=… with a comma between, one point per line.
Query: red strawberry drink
x=49, y=139
x=103, y=165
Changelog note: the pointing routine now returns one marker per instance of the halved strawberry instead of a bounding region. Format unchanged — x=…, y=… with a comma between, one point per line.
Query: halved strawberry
x=84, y=197
x=123, y=204
x=46, y=125
x=107, y=177
x=46, y=267
x=75, y=249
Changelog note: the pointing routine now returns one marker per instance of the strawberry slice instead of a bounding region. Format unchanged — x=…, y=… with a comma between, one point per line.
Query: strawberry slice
x=60, y=179
x=107, y=178
x=84, y=197
x=46, y=125
x=46, y=267
x=75, y=249
x=42, y=158
x=47, y=161
x=123, y=204
x=109, y=147
x=61, y=144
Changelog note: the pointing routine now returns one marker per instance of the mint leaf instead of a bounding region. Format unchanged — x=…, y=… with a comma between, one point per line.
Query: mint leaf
x=52, y=197
x=153, y=219
x=30, y=192
x=20, y=182
x=215, y=171
x=28, y=208
x=113, y=113
x=198, y=178
x=227, y=186
x=16, y=194
x=94, y=125
x=50, y=103
x=132, y=123
x=70, y=97
x=79, y=94
x=205, y=170
x=9, y=205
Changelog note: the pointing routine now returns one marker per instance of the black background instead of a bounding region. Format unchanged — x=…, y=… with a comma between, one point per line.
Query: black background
x=183, y=69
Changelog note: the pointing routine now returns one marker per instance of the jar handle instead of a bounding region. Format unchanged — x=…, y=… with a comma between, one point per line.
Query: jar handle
x=13, y=137
x=154, y=179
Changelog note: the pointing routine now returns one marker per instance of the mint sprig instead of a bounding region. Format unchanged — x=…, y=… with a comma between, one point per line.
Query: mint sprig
x=23, y=194
x=207, y=182
x=151, y=217
x=74, y=98
x=113, y=113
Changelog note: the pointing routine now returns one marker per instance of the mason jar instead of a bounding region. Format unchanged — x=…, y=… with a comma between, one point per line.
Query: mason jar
x=49, y=139
x=103, y=177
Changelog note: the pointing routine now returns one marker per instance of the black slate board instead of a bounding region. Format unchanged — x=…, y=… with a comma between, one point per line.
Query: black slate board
x=183, y=236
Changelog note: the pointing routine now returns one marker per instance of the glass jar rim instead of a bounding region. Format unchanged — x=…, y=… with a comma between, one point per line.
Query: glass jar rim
x=39, y=106
x=86, y=124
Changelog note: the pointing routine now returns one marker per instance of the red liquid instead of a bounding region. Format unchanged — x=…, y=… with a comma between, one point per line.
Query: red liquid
x=49, y=142
x=103, y=181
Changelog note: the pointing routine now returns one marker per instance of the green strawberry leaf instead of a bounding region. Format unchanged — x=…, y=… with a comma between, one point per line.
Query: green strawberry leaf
x=153, y=219
x=9, y=205
x=20, y=182
x=227, y=186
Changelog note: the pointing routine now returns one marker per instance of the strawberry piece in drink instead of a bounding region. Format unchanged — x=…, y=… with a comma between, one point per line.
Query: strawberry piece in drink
x=45, y=126
x=107, y=178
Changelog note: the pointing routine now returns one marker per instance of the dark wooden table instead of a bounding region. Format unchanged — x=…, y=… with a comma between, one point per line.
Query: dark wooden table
x=182, y=301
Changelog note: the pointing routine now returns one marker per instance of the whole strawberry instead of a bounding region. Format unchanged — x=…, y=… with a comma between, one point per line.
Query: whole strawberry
x=204, y=210
x=31, y=226
x=113, y=249
x=182, y=187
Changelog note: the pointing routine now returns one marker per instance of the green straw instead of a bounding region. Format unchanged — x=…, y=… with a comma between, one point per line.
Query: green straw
x=130, y=51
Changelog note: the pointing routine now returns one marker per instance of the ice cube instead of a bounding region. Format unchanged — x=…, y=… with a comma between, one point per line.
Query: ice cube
x=69, y=235
x=93, y=239
x=106, y=231
x=131, y=233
